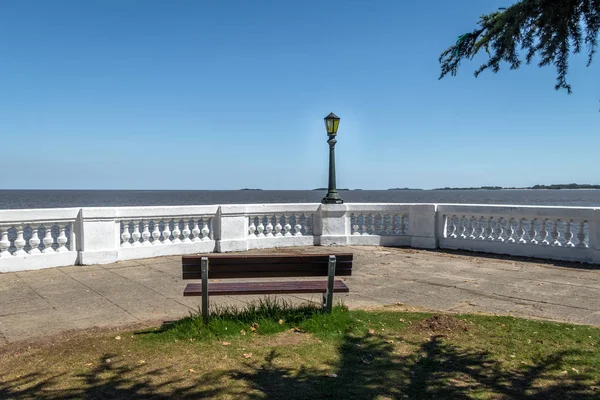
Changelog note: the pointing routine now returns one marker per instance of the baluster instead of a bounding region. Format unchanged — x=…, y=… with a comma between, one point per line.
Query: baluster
x=287, y=227
x=555, y=233
x=260, y=228
x=372, y=229
x=145, y=234
x=395, y=222
x=166, y=233
x=405, y=222
x=196, y=230
x=354, y=224
x=521, y=232
x=452, y=226
x=186, y=230
x=269, y=226
x=62, y=239
x=48, y=240
x=205, y=229
x=125, y=236
x=490, y=229
x=35, y=241
x=481, y=228
x=364, y=226
x=307, y=226
x=462, y=229
x=510, y=232
x=532, y=233
x=176, y=231
x=388, y=224
x=156, y=234
x=20, y=242
x=278, y=227
x=581, y=235
x=568, y=234
x=500, y=229
x=251, y=227
x=381, y=220
x=136, y=235
x=472, y=227
x=4, y=242
x=297, y=226
x=544, y=232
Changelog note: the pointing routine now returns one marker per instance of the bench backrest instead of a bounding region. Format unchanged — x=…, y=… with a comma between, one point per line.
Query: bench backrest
x=224, y=266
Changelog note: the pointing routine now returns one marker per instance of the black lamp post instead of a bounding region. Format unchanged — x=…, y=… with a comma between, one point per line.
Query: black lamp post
x=332, y=122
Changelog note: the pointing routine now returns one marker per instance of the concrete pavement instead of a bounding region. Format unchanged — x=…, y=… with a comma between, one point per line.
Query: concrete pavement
x=50, y=302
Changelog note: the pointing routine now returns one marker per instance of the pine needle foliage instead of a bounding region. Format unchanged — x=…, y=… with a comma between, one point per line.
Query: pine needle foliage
x=550, y=29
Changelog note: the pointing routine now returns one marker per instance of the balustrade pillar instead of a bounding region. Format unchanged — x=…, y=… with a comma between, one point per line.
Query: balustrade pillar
x=186, y=231
x=62, y=239
x=35, y=241
x=166, y=233
x=48, y=240
x=205, y=230
x=176, y=232
x=4, y=242
x=156, y=234
x=136, y=234
x=196, y=230
x=125, y=236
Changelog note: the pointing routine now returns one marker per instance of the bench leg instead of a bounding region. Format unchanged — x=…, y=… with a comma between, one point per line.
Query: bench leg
x=204, y=266
x=328, y=296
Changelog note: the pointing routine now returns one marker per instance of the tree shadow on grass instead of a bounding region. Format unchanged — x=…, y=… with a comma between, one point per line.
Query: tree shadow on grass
x=368, y=367
x=105, y=381
x=371, y=368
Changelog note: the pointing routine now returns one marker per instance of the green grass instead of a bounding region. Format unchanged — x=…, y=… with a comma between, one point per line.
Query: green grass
x=272, y=350
x=263, y=317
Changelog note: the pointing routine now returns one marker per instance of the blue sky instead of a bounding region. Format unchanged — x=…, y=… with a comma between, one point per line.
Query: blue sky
x=232, y=94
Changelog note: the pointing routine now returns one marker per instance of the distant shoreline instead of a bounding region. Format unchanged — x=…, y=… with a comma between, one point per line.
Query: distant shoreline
x=568, y=186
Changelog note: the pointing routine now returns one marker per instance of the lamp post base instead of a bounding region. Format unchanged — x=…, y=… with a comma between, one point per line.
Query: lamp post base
x=332, y=200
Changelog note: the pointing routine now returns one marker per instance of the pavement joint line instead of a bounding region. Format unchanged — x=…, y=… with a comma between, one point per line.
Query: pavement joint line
x=155, y=291
x=34, y=291
x=100, y=294
x=511, y=270
x=536, y=302
x=29, y=311
x=483, y=294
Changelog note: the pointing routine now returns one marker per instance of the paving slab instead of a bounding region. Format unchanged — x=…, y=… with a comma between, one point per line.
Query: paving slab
x=35, y=304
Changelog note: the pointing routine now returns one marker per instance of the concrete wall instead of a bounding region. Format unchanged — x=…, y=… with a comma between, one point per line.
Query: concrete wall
x=43, y=238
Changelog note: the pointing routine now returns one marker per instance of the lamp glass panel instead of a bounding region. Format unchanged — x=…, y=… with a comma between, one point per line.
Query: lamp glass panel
x=329, y=125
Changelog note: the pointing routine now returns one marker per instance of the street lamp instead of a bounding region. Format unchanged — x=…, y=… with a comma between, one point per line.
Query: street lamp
x=332, y=122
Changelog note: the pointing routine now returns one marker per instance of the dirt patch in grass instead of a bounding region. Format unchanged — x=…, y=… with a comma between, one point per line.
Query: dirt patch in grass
x=288, y=338
x=443, y=324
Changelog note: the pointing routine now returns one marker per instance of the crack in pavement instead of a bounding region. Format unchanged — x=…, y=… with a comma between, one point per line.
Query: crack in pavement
x=104, y=297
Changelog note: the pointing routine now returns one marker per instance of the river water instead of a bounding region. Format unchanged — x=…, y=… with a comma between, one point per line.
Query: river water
x=19, y=199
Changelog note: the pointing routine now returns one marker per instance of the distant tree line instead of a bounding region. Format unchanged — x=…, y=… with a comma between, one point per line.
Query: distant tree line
x=566, y=186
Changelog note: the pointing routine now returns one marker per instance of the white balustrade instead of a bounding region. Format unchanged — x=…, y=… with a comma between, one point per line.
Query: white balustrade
x=161, y=231
x=501, y=229
x=381, y=224
x=279, y=225
x=544, y=232
x=31, y=239
x=37, y=243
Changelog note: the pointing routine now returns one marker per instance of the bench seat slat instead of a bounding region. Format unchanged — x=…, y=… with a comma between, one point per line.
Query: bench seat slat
x=217, y=273
x=247, y=288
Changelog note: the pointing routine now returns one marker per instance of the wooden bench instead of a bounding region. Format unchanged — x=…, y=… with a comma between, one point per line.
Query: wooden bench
x=223, y=266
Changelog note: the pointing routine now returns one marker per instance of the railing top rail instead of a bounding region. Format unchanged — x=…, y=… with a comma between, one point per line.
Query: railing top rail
x=518, y=211
x=38, y=215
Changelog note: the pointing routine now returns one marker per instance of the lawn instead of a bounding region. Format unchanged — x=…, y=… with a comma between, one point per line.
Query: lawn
x=275, y=351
